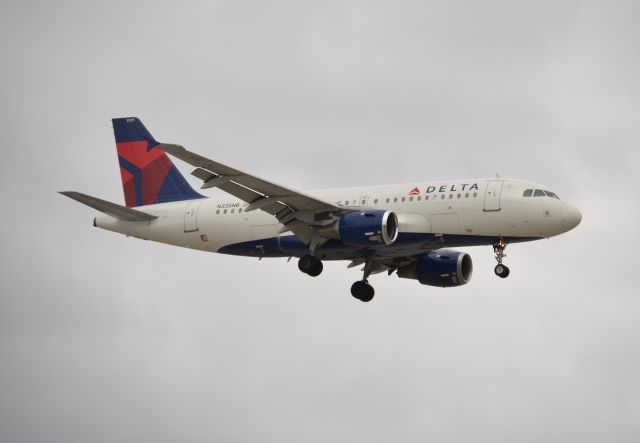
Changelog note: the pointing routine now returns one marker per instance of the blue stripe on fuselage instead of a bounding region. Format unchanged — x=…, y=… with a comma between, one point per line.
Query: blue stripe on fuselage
x=407, y=244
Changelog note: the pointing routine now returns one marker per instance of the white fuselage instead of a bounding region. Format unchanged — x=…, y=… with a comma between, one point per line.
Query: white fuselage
x=453, y=213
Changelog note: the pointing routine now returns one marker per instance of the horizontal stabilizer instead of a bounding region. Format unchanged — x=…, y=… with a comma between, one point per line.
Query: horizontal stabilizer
x=112, y=209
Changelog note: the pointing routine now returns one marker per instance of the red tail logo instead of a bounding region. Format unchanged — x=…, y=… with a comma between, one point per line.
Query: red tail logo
x=414, y=191
x=148, y=175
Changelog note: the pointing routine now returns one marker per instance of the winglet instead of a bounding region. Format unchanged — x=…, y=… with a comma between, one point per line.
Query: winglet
x=112, y=209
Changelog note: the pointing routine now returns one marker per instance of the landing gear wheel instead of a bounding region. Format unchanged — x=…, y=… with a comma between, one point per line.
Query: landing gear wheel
x=317, y=270
x=363, y=291
x=310, y=265
x=501, y=271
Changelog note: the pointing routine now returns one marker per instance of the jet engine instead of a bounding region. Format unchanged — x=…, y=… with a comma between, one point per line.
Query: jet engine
x=441, y=268
x=364, y=228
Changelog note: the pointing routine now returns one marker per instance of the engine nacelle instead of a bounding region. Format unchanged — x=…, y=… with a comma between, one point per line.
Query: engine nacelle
x=442, y=268
x=368, y=227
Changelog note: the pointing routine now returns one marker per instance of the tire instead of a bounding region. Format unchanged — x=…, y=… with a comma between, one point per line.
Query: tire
x=368, y=294
x=501, y=271
x=307, y=263
x=362, y=291
x=317, y=269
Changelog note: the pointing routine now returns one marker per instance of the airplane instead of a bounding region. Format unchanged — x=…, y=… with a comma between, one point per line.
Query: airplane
x=408, y=229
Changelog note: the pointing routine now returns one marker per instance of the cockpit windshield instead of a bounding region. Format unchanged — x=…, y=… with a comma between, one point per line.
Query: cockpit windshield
x=539, y=193
x=551, y=194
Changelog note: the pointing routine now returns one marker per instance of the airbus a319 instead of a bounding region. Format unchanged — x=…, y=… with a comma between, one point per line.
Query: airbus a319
x=408, y=229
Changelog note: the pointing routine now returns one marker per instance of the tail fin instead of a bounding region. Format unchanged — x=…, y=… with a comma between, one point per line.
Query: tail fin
x=148, y=175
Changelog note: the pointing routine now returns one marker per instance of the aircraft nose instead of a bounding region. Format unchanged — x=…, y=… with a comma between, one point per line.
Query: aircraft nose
x=571, y=217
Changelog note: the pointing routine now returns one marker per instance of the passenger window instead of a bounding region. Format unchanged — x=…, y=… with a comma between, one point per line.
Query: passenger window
x=225, y=211
x=410, y=199
x=528, y=193
x=475, y=194
x=459, y=195
x=375, y=201
x=239, y=210
x=539, y=193
x=466, y=195
x=388, y=200
x=217, y=211
x=442, y=197
x=426, y=198
x=395, y=199
x=233, y=210
x=450, y=196
x=403, y=199
x=419, y=198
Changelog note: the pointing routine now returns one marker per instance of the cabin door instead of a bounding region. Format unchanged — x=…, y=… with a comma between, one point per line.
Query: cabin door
x=191, y=215
x=492, y=195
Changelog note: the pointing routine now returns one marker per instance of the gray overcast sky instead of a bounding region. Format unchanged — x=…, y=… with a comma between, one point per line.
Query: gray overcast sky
x=105, y=338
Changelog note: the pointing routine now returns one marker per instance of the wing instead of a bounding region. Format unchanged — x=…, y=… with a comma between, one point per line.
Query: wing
x=297, y=211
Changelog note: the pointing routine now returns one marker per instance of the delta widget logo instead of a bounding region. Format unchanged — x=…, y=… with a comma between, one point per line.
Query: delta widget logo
x=414, y=191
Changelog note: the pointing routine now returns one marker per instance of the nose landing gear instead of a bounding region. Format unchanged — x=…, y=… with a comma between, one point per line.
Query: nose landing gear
x=500, y=270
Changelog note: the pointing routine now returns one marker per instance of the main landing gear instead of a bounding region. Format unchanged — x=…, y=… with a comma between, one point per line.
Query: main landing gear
x=501, y=270
x=310, y=265
x=362, y=290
